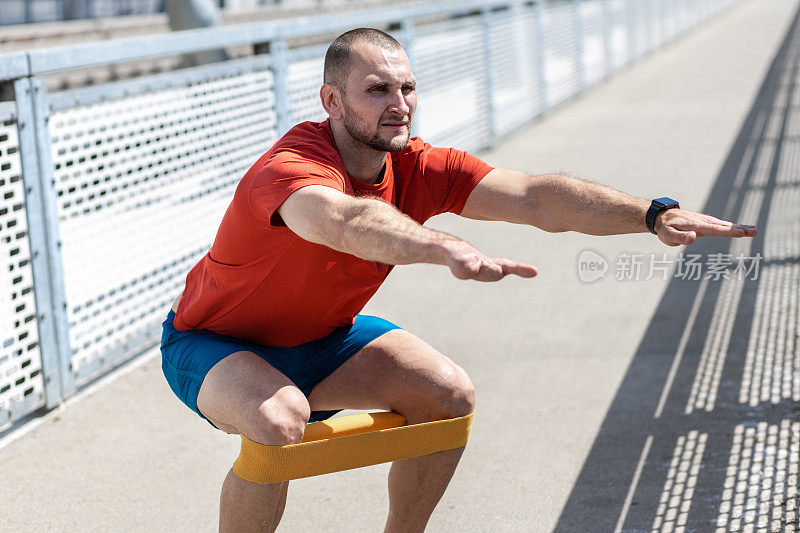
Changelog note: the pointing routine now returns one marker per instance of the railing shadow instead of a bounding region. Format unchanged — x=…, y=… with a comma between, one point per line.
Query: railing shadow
x=704, y=431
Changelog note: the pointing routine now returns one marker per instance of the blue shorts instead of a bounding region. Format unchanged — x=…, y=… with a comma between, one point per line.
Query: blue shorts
x=187, y=356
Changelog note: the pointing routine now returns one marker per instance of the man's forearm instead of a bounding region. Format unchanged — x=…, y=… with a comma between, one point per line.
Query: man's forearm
x=564, y=203
x=376, y=231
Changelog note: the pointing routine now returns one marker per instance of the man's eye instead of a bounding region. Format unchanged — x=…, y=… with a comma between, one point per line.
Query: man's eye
x=408, y=89
x=378, y=89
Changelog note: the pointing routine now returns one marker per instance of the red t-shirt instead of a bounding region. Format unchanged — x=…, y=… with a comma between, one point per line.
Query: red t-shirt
x=262, y=283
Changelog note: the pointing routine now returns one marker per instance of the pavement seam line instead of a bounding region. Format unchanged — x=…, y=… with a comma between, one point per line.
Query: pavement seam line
x=687, y=331
x=634, y=482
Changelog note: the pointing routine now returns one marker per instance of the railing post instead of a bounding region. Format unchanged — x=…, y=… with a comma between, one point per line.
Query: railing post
x=280, y=69
x=541, y=74
x=43, y=234
x=489, y=107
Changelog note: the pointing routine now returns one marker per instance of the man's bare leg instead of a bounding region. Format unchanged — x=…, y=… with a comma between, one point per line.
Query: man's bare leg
x=244, y=394
x=401, y=372
x=415, y=487
x=244, y=504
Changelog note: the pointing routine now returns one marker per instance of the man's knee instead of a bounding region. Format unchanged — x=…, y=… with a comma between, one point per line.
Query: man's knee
x=456, y=394
x=462, y=395
x=278, y=420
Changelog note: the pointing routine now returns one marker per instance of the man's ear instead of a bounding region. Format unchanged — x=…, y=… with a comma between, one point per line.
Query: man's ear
x=331, y=101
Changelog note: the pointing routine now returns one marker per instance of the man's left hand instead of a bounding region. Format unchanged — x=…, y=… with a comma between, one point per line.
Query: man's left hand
x=678, y=226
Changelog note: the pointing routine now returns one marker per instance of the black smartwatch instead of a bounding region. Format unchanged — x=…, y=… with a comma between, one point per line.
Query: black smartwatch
x=656, y=206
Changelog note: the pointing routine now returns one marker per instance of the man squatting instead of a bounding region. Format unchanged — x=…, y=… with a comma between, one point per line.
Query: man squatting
x=313, y=229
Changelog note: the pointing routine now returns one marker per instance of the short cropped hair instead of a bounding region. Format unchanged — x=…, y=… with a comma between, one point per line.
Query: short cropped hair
x=337, y=58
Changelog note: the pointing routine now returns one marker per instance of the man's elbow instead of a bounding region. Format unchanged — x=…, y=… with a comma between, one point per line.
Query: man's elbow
x=353, y=223
x=541, y=219
x=544, y=207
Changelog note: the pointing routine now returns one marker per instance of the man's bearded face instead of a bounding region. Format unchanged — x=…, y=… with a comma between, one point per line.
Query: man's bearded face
x=380, y=98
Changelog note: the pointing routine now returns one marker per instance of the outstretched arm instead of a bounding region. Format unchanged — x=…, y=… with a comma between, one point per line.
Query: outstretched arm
x=557, y=202
x=376, y=231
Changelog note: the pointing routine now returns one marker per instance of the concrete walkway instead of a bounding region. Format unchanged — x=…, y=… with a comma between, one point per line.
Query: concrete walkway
x=614, y=405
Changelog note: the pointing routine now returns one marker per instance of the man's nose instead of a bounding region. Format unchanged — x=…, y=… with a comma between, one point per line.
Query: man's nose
x=399, y=104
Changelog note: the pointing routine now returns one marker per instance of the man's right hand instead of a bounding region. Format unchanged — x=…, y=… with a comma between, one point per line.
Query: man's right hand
x=466, y=262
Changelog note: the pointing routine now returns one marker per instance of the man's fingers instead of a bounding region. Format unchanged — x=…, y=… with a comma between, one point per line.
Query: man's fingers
x=495, y=269
x=748, y=230
x=685, y=228
x=471, y=264
x=727, y=229
x=740, y=230
x=717, y=230
x=489, y=271
x=498, y=268
x=675, y=237
x=522, y=270
x=730, y=228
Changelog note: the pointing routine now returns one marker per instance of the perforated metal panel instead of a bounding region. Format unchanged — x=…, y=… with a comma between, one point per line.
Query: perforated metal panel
x=592, y=34
x=660, y=20
x=684, y=16
x=516, y=93
x=622, y=32
x=655, y=23
x=641, y=38
x=561, y=51
x=304, y=81
x=143, y=181
x=450, y=67
x=21, y=385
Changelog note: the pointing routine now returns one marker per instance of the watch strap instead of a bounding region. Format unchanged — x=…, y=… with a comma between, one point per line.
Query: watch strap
x=657, y=206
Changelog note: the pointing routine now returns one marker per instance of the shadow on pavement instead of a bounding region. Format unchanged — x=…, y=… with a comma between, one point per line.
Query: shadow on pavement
x=704, y=432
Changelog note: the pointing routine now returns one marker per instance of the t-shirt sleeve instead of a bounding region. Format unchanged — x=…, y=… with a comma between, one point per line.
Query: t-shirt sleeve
x=278, y=179
x=451, y=175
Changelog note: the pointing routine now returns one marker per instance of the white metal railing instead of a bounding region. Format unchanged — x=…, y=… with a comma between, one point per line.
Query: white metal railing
x=110, y=193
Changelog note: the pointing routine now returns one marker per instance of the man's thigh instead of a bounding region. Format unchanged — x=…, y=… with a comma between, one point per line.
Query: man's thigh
x=242, y=393
x=397, y=371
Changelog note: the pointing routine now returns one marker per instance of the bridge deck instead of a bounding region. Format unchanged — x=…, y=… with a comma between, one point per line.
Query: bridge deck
x=621, y=404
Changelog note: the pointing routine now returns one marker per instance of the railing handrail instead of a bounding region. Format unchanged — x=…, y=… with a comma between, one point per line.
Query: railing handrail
x=14, y=65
